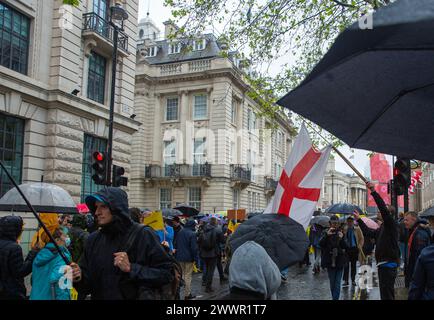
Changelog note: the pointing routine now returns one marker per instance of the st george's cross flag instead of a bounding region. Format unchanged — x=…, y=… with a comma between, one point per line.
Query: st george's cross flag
x=300, y=184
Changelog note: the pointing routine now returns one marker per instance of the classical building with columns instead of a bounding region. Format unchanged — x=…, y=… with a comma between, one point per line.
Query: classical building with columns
x=55, y=70
x=201, y=140
x=340, y=187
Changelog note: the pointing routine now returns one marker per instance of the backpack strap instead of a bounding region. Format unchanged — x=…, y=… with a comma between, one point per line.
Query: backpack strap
x=132, y=235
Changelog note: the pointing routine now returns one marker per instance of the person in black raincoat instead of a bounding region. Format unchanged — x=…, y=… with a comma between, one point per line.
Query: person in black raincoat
x=419, y=237
x=13, y=267
x=106, y=271
x=422, y=283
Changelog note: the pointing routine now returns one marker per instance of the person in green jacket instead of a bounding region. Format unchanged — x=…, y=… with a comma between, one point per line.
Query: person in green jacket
x=50, y=272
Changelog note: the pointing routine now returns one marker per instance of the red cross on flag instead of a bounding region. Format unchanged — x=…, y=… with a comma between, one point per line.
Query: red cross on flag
x=415, y=179
x=300, y=184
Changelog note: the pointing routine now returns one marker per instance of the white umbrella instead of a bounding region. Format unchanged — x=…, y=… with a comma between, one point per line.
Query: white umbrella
x=44, y=197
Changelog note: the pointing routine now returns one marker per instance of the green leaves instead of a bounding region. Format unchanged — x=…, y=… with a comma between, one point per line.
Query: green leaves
x=74, y=3
x=267, y=30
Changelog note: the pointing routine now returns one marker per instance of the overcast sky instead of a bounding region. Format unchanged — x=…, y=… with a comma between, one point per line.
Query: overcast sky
x=159, y=13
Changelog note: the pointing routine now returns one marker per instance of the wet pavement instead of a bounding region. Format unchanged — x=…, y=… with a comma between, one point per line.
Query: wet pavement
x=302, y=284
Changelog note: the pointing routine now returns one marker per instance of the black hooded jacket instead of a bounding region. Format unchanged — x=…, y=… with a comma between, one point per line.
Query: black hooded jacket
x=387, y=249
x=151, y=267
x=13, y=268
x=421, y=238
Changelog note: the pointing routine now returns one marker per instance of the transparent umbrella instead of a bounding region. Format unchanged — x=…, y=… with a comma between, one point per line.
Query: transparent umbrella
x=44, y=197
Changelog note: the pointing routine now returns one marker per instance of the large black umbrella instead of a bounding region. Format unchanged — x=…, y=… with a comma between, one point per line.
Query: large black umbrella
x=187, y=210
x=171, y=213
x=343, y=208
x=374, y=89
x=427, y=213
x=284, y=239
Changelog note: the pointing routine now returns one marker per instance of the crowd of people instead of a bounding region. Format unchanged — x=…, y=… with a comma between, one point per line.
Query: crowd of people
x=110, y=254
x=405, y=244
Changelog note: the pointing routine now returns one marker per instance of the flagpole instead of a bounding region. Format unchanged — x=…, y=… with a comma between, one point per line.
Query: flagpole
x=340, y=154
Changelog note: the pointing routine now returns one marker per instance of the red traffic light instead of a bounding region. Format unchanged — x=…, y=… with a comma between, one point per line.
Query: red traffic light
x=98, y=156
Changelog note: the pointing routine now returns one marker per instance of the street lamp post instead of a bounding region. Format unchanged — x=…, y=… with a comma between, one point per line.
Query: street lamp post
x=117, y=13
x=333, y=191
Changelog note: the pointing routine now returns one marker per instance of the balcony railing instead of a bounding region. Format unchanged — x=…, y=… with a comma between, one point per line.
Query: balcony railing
x=95, y=23
x=270, y=184
x=240, y=173
x=178, y=171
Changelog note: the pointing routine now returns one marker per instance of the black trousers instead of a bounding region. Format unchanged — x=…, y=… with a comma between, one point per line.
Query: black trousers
x=220, y=267
x=353, y=256
x=386, y=277
x=210, y=265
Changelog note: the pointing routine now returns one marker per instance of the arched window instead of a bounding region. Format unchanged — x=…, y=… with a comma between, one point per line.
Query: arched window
x=141, y=33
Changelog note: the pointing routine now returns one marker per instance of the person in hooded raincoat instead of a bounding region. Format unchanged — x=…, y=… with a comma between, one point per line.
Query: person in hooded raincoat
x=105, y=271
x=253, y=275
x=13, y=267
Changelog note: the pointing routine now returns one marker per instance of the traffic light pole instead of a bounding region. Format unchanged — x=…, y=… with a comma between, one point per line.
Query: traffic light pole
x=112, y=104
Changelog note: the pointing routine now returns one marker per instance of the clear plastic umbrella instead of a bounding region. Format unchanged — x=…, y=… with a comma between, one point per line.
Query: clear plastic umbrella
x=44, y=197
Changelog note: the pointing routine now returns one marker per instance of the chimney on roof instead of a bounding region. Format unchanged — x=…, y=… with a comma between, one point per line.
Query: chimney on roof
x=169, y=28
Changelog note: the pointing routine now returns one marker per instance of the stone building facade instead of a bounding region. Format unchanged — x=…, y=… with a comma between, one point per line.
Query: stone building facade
x=201, y=141
x=339, y=187
x=55, y=71
x=427, y=187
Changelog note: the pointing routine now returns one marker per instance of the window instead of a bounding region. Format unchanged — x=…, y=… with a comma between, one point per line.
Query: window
x=251, y=120
x=96, y=79
x=232, y=155
x=152, y=51
x=198, y=155
x=199, y=44
x=11, y=150
x=195, y=197
x=165, y=198
x=91, y=144
x=236, y=198
x=174, y=47
x=14, y=39
x=200, y=107
x=169, y=156
x=234, y=111
x=102, y=8
x=172, y=109
x=141, y=33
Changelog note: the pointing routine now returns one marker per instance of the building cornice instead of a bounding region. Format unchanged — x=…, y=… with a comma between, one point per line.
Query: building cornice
x=40, y=94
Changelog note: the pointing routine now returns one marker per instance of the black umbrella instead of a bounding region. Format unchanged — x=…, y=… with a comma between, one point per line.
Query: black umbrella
x=284, y=239
x=250, y=215
x=427, y=213
x=171, y=213
x=374, y=89
x=343, y=208
x=323, y=221
x=187, y=210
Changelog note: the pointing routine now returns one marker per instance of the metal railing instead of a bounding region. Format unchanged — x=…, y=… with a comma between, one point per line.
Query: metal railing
x=240, y=173
x=270, y=184
x=178, y=171
x=97, y=24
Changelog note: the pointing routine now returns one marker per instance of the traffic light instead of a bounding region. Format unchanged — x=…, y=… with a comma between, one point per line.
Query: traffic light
x=100, y=167
x=118, y=179
x=401, y=175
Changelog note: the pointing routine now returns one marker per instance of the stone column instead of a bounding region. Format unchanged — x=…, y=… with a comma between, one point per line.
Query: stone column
x=185, y=115
x=158, y=118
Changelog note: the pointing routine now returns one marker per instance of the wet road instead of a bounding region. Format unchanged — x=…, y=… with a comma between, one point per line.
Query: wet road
x=302, y=284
